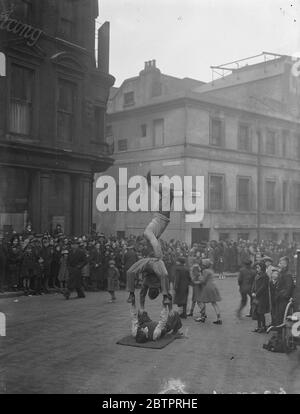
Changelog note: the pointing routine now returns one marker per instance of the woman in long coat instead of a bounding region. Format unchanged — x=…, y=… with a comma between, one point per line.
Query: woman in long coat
x=196, y=278
x=63, y=273
x=260, y=297
x=209, y=292
x=182, y=281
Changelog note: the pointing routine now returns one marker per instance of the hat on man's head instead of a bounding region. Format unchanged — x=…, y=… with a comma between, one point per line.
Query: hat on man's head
x=111, y=262
x=206, y=262
x=284, y=258
x=275, y=269
x=247, y=261
x=267, y=259
x=181, y=260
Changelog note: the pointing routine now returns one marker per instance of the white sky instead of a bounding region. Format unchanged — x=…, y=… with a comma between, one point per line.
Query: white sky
x=186, y=37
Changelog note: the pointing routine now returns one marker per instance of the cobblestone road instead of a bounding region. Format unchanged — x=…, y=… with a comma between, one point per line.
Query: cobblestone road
x=58, y=346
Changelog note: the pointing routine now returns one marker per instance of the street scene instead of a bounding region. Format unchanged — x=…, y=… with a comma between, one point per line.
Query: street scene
x=149, y=197
x=57, y=346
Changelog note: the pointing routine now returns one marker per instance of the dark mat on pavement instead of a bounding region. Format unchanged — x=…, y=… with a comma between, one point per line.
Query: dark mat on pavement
x=159, y=344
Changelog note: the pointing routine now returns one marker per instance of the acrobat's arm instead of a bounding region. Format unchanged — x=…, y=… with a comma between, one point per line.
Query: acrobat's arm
x=134, y=320
x=161, y=323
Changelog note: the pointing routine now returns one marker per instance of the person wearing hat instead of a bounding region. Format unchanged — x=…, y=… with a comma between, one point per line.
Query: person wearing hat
x=269, y=265
x=209, y=292
x=63, y=273
x=260, y=296
x=197, y=283
x=113, y=279
x=96, y=257
x=272, y=291
x=182, y=281
x=283, y=290
x=130, y=257
x=14, y=260
x=76, y=261
x=46, y=254
x=245, y=281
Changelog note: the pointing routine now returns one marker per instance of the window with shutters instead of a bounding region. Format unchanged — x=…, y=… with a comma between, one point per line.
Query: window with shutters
x=297, y=139
x=122, y=145
x=216, y=192
x=243, y=194
x=270, y=195
x=271, y=142
x=285, y=136
x=128, y=99
x=67, y=21
x=21, y=99
x=284, y=195
x=23, y=10
x=66, y=110
x=144, y=130
x=244, y=138
x=216, y=132
x=296, y=197
x=99, y=123
x=158, y=132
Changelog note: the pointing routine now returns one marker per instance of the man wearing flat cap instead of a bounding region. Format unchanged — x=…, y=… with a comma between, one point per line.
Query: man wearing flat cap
x=76, y=261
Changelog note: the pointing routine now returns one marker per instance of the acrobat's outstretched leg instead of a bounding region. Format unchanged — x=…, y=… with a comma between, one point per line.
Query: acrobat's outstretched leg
x=159, y=222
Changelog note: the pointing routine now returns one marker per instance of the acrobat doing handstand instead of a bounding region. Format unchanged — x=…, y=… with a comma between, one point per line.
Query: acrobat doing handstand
x=152, y=233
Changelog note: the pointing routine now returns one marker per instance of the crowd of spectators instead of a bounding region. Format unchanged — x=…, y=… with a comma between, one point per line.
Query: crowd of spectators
x=37, y=263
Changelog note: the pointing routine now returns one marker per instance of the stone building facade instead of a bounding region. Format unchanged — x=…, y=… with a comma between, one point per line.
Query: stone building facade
x=240, y=132
x=53, y=97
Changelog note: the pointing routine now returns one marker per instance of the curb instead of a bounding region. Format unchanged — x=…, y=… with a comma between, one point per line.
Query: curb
x=8, y=295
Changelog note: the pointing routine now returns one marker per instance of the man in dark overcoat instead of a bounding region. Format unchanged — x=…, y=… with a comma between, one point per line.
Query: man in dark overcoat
x=182, y=281
x=76, y=261
x=283, y=291
x=96, y=267
x=245, y=282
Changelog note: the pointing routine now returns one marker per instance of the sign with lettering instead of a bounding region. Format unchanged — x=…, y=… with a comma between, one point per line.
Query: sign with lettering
x=2, y=324
x=29, y=33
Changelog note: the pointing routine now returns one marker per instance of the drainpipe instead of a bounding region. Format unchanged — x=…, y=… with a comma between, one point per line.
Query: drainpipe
x=259, y=185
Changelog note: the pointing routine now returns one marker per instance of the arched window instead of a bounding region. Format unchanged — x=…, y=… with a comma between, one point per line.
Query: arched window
x=2, y=64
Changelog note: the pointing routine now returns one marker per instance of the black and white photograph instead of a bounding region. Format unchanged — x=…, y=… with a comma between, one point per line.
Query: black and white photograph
x=149, y=199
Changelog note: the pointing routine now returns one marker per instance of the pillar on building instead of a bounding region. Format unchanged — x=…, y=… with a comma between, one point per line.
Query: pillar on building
x=39, y=201
x=82, y=199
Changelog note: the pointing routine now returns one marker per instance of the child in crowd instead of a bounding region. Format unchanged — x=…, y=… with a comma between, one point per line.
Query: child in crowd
x=113, y=278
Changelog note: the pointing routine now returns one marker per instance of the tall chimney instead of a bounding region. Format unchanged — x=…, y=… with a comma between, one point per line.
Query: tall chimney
x=103, y=47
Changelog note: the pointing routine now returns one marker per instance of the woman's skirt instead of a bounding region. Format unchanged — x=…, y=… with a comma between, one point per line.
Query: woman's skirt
x=209, y=293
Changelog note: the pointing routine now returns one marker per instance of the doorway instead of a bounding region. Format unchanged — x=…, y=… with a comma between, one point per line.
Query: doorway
x=200, y=235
